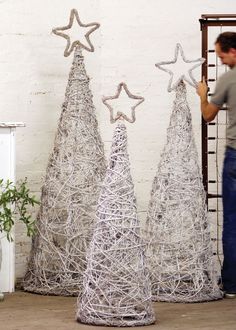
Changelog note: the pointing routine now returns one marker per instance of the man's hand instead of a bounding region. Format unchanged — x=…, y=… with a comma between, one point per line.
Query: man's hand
x=209, y=110
x=202, y=89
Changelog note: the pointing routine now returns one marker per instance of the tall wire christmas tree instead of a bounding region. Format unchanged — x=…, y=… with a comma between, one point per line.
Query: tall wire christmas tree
x=116, y=290
x=70, y=192
x=180, y=252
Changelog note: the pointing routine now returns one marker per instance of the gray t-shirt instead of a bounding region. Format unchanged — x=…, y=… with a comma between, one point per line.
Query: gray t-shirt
x=225, y=92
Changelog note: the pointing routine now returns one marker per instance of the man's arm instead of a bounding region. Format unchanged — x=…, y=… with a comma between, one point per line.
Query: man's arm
x=209, y=110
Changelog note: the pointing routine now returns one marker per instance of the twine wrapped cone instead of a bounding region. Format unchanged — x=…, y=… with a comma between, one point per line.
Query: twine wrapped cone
x=116, y=290
x=70, y=192
x=180, y=252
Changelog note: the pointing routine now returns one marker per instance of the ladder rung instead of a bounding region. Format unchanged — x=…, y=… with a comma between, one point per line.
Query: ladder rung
x=211, y=138
x=211, y=79
x=211, y=124
x=212, y=210
x=211, y=50
x=213, y=195
x=212, y=181
x=211, y=65
x=211, y=152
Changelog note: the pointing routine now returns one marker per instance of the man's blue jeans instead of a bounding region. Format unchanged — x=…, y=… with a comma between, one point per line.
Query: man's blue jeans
x=229, y=221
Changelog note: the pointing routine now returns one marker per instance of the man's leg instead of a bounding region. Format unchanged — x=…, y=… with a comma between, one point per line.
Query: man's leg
x=229, y=222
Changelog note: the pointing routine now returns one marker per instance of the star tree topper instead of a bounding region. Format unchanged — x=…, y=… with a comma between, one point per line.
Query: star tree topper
x=189, y=78
x=70, y=46
x=121, y=115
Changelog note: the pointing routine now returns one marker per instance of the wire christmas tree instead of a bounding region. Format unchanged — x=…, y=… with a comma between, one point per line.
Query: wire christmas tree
x=70, y=192
x=180, y=253
x=116, y=289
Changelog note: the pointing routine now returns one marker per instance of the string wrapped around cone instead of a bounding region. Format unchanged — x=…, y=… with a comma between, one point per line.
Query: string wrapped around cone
x=179, y=251
x=116, y=289
x=70, y=192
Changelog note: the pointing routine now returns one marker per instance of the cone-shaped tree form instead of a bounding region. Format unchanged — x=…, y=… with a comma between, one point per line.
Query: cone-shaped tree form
x=179, y=253
x=116, y=289
x=69, y=195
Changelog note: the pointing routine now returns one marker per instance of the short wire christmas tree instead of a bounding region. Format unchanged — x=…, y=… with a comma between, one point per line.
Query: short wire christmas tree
x=180, y=253
x=116, y=290
x=70, y=192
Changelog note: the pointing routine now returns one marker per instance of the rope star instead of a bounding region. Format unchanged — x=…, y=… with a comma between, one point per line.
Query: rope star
x=189, y=78
x=70, y=46
x=120, y=114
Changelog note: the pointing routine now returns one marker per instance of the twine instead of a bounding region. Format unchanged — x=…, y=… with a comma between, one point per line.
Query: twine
x=69, y=195
x=70, y=46
x=116, y=290
x=189, y=78
x=180, y=252
x=120, y=114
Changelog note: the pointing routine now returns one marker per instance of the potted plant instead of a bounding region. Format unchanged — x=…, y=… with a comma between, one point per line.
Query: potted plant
x=16, y=204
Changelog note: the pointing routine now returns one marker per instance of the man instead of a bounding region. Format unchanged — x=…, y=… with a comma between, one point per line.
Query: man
x=225, y=92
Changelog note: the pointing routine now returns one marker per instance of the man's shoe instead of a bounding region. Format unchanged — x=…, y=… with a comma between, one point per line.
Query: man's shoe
x=228, y=295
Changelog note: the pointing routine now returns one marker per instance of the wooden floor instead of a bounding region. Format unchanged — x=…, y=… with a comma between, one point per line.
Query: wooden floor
x=21, y=311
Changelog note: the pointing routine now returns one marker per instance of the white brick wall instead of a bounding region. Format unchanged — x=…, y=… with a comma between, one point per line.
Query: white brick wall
x=134, y=35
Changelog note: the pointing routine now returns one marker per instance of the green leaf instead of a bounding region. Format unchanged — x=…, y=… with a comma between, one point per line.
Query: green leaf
x=16, y=204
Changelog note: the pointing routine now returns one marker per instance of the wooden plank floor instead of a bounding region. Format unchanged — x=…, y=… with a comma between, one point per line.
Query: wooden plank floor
x=25, y=311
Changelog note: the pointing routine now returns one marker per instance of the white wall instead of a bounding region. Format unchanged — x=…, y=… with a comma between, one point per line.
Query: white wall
x=134, y=35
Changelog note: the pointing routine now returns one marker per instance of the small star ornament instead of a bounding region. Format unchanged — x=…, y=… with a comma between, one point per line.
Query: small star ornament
x=189, y=78
x=119, y=114
x=70, y=46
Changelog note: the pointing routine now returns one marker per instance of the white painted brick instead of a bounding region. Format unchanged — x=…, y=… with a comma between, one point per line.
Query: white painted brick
x=134, y=35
